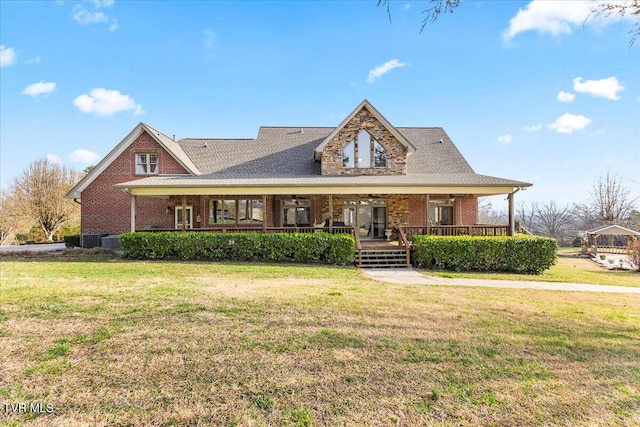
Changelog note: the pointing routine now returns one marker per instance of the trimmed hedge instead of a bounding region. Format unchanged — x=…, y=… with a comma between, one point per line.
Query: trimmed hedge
x=519, y=254
x=72, y=241
x=296, y=247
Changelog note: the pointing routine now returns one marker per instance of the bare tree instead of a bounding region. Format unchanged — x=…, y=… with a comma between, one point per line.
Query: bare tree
x=600, y=9
x=39, y=194
x=9, y=221
x=625, y=8
x=610, y=202
x=487, y=215
x=431, y=13
x=526, y=216
x=553, y=220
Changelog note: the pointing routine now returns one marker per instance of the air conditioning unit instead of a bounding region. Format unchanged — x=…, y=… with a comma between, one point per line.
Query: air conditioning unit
x=92, y=240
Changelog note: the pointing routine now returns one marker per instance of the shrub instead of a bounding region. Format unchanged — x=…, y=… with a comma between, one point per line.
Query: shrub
x=519, y=254
x=72, y=241
x=296, y=247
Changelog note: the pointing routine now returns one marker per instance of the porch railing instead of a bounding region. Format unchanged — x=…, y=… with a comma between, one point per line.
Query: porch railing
x=335, y=230
x=608, y=250
x=456, y=230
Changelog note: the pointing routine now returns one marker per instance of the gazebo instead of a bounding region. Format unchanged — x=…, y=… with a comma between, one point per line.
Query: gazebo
x=611, y=231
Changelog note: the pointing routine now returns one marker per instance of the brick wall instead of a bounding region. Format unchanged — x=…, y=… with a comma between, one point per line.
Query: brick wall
x=466, y=210
x=108, y=210
x=332, y=153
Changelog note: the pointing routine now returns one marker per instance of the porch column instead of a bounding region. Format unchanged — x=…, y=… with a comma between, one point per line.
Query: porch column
x=184, y=213
x=264, y=213
x=512, y=224
x=133, y=212
x=330, y=213
x=428, y=215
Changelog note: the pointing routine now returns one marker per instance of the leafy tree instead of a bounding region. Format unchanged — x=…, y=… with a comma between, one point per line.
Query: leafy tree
x=39, y=195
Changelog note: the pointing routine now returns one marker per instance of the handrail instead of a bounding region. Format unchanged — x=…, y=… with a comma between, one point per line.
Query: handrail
x=356, y=237
x=404, y=242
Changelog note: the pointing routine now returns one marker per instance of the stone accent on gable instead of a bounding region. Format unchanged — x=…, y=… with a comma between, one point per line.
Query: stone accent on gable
x=332, y=152
x=108, y=210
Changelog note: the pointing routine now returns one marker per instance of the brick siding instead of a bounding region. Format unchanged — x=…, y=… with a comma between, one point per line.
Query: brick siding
x=106, y=209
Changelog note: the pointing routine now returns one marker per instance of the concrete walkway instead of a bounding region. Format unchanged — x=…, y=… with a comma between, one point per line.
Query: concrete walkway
x=408, y=276
x=43, y=247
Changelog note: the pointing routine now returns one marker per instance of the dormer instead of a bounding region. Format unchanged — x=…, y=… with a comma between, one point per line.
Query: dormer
x=365, y=143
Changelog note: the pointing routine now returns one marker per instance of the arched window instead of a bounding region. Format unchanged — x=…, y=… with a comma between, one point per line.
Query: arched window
x=364, y=152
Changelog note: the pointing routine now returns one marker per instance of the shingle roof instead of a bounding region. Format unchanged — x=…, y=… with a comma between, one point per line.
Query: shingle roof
x=288, y=151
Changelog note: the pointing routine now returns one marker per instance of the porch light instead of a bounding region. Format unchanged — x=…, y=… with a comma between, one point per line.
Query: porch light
x=621, y=262
x=198, y=218
x=167, y=210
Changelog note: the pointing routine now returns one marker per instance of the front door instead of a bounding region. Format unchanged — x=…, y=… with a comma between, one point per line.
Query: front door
x=179, y=216
x=369, y=217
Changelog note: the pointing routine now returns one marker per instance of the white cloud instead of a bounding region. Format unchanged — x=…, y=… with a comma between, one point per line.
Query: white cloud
x=533, y=128
x=104, y=102
x=604, y=88
x=209, y=38
x=7, y=56
x=35, y=60
x=566, y=96
x=553, y=17
x=407, y=6
x=86, y=17
x=41, y=88
x=383, y=69
x=84, y=156
x=52, y=158
x=89, y=17
x=568, y=123
x=556, y=17
x=102, y=3
x=504, y=139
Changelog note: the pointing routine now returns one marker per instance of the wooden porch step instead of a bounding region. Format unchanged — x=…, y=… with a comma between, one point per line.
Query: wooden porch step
x=380, y=258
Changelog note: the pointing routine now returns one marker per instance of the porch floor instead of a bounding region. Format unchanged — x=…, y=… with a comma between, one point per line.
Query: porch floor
x=379, y=244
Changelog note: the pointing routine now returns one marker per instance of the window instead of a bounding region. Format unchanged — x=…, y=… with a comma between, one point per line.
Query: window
x=349, y=155
x=236, y=211
x=296, y=213
x=364, y=149
x=222, y=212
x=364, y=152
x=440, y=212
x=379, y=155
x=146, y=164
x=250, y=211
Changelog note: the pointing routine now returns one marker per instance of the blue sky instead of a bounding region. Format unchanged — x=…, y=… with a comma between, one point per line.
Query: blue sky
x=526, y=89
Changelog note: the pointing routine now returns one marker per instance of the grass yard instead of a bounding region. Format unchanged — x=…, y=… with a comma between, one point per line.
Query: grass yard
x=569, y=269
x=113, y=342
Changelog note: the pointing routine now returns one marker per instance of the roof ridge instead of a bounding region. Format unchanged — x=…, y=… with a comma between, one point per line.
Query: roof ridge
x=220, y=139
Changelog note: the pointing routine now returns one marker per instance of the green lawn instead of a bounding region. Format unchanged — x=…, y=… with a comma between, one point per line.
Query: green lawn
x=569, y=269
x=112, y=342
